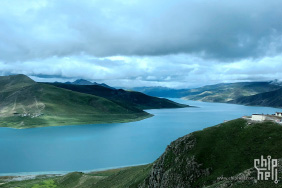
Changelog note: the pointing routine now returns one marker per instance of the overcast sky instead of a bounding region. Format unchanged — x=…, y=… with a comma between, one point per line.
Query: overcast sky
x=179, y=43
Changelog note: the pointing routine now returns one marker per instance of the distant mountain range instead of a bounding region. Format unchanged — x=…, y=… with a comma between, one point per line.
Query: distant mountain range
x=86, y=82
x=161, y=91
x=25, y=103
x=247, y=93
x=229, y=91
x=271, y=99
x=122, y=97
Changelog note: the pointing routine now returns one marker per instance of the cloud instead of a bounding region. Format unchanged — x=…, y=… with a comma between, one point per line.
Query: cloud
x=142, y=43
x=215, y=29
x=176, y=71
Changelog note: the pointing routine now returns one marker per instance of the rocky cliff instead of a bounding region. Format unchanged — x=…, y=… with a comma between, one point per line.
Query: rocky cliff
x=176, y=167
x=219, y=156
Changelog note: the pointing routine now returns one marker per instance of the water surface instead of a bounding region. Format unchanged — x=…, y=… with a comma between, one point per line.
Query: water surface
x=102, y=146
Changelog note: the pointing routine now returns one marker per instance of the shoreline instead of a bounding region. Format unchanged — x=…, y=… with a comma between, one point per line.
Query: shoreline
x=60, y=173
x=148, y=115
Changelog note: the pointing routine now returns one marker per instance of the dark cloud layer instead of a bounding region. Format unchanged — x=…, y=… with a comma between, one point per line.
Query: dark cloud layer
x=181, y=43
x=222, y=30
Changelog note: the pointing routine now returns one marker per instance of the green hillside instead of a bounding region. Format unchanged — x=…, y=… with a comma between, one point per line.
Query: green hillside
x=116, y=178
x=122, y=97
x=14, y=82
x=272, y=99
x=229, y=91
x=25, y=103
x=225, y=150
x=198, y=159
x=223, y=92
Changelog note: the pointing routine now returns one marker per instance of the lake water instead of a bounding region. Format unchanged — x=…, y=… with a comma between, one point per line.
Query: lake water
x=102, y=146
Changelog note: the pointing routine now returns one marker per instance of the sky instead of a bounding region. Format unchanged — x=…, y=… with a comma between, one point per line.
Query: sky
x=134, y=43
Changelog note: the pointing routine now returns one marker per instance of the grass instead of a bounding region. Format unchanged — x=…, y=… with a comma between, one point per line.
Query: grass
x=27, y=104
x=229, y=91
x=58, y=106
x=45, y=184
x=226, y=150
x=44, y=121
x=231, y=147
x=40, y=182
x=129, y=177
x=122, y=177
x=124, y=98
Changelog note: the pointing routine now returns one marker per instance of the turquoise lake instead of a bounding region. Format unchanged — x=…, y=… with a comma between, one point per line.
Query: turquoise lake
x=103, y=146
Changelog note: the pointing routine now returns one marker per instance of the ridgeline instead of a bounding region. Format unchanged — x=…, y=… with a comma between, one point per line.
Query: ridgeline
x=25, y=103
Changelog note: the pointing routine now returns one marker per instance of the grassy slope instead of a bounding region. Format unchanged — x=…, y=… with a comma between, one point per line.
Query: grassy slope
x=232, y=147
x=122, y=97
x=14, y=82
x=229, y=149
x=58, y=107
x=272, y=98
x=212, y=93
x=118, y=178
x=228, y=92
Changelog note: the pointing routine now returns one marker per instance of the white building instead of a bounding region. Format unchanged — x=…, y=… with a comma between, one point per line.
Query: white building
x=278, y=114
x=258, y=117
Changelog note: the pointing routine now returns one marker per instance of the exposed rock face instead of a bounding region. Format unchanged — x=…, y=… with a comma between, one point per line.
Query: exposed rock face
x=218, y=157
x=176, y=167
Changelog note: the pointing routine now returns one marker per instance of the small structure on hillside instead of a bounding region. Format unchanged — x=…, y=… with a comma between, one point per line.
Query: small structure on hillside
x=258, y=117
x=278, y=114
x=264, y=117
